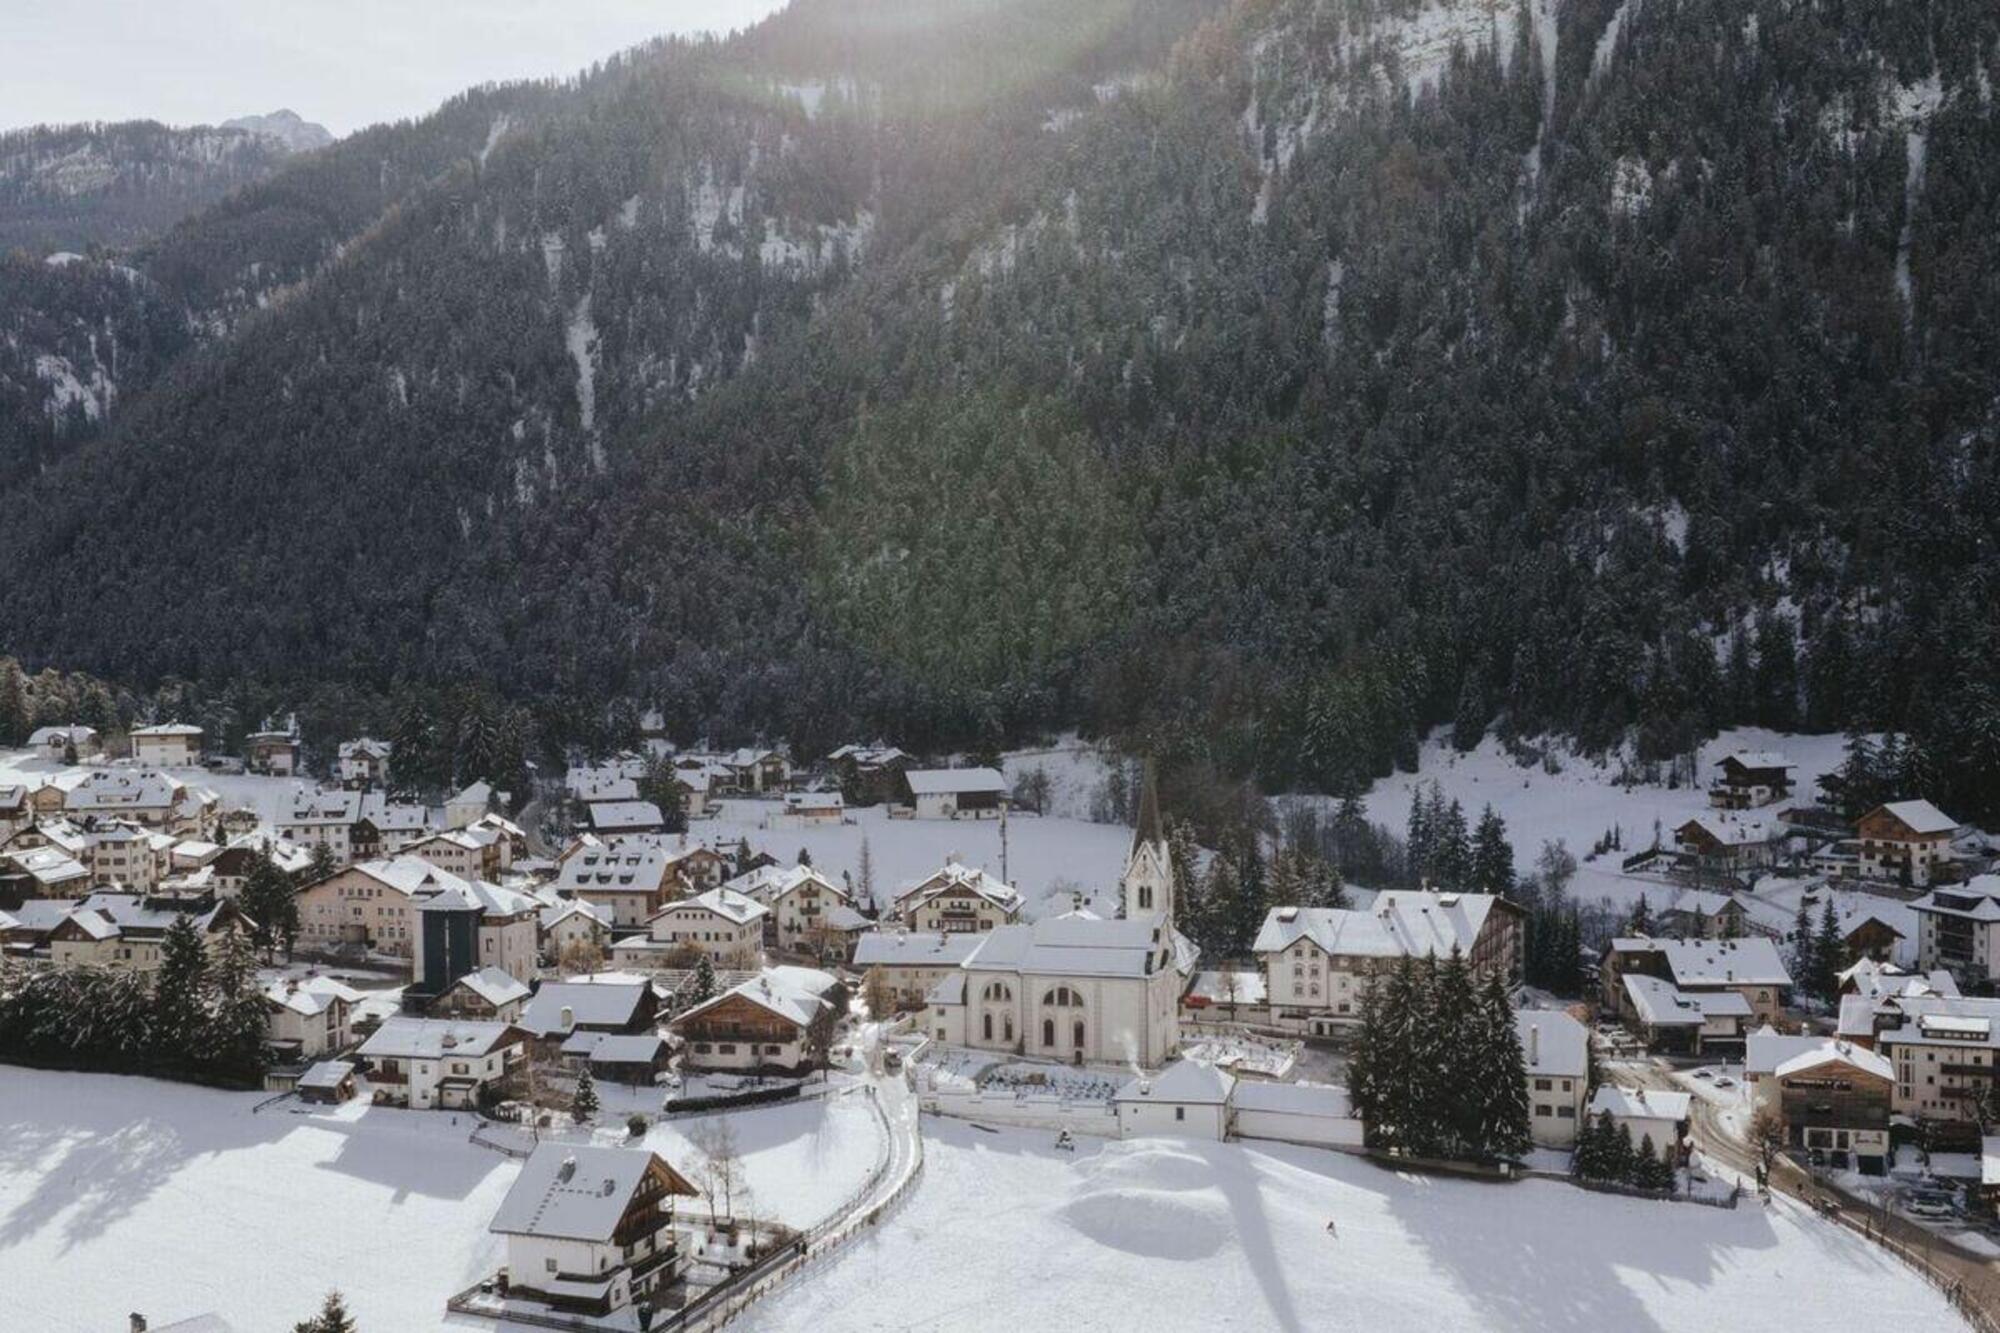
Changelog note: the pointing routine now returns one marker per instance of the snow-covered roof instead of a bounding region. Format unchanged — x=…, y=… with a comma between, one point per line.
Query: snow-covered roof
x=365, y=747
x=553, y=914
x=168, y=729
x=327, y=1074
x=401, y=1038
x=573, y=1191
x=47, y=866
x=950, y=989
x=590, y=1003
x=955, y=781
x=1076, y=947
x=1414, y=922
x=1735, y=830
x=736, y=908
x=1838, y=1052
x=1755, y=759
x=914, y=948
x=1937, y=1020
x=845, y=919
x=1661, y=1004
x=1187, y=1082
x=1554, y=1044
x=122, y=789
x=1700, y=963
x=616, y=1048
x=814, y=800
x=495, y=986
x=767, y=993
x=1977, y=899
x=1639, y=1103
x=619, y=816
x=769, y=884
x=953, y=876
x=479, y=793
x=74, y=734
x=311, y=997
x=1767, y=1048
x=1918, y=816
x=630, y=866
x=1872, y=980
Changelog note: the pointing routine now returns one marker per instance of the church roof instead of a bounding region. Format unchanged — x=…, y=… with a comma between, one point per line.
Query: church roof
x=1148, y=828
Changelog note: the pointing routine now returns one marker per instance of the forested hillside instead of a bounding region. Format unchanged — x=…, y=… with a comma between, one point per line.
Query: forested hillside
x=1268, y=380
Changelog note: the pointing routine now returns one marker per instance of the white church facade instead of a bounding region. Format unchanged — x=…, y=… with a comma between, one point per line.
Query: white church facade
x=1077, y=987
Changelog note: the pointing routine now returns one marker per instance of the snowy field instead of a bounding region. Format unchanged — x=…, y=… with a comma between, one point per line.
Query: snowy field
x=122, y=1194
x=1004, y=1233
x=1583, y=802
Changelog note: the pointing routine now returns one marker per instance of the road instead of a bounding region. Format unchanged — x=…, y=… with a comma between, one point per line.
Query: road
x=1971, y=1281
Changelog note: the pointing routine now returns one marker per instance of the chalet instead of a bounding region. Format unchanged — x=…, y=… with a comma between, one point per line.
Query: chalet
x=800, y=900
x=1556, y=1051
x=352, y=825
x=1866, y=933
x=121, y=854
x=510, y=838
x=308, y=1020
x=910, y=964
x=452, y=1064
x=488, y=993
x=1904, y=842
x=363, y=763
x=610, y=818
x=471, y=853
x=1748, y=779
x=125, y=931
x=1187, y=1099
x=1832, y=1097
x=470, y=805
x=168, y=744
x=761, y=1026
x=25, y=930
x=955, y=793
x=142, y=796
x=569, y=924
x=1646, y=1113
x=758, y=770
x=721, y=925
x=230, y=867
x=869, y=774
x=1751, y=968
x=628, y=883
x=1682, y=1022
x=64, y=745
x=1958, y=929
x=809, y=809
x=591, y=785
x=560, y=1008
x=634, y=1060
x=41, y=872
x=273, y=753
x=1728, y=844
x=16, y=811
x=1699, y=914
x=590, y=1230
x=957, y=898
x=1318, y=961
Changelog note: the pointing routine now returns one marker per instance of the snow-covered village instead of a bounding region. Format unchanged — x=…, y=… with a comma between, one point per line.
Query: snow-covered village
x=860, y=666
x=692, y=1037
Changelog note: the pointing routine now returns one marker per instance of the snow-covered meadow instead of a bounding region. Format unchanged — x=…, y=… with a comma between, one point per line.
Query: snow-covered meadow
x=1005, y=1233
x=128, y=1194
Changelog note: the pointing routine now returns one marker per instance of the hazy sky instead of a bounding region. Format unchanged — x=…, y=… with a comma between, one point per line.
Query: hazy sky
x=343, y=63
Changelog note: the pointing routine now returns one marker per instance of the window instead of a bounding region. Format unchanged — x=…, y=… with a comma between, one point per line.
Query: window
x=550, y=1264
x=1048, y=1032
x=1565, y=1113
x=1541, y=1085
x=1180, y=1113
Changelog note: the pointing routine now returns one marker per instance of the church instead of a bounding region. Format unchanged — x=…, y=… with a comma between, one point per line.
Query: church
x=1077, y=987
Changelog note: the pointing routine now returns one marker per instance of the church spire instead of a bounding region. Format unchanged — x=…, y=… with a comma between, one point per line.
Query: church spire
x=1149, y=828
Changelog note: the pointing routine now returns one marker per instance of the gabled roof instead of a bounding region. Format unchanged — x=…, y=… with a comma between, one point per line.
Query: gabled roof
x=580, y=1192
x=630, y=866
x=1187, y=1082
x=168, y=729
x=495, y=986
x=311, y=997
x=1917, y=816
x=1838, y=1052
x=1751, y=961
x=1755, y=759
x=1767, y=1048
x=766, y=992
x=770, y=884
x=402, y=1038
x=1561, y=1047
x=624, y=816
x=955, y=781
x=1659, y=1004
x=365, y=747
x=1734, y=830
x=1639, y=1103
x=736, y=908
x=1412, y=922
x=955, y=875
x=914, y=948
x=591, y=1004
x=1075, y=947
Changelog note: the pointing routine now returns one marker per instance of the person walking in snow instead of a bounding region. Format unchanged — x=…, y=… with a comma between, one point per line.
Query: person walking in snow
x=1332, y=1230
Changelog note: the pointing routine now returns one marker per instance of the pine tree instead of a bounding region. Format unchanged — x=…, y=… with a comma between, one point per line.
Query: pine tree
x=1805, y=965
x=865, y=876
x=1829, y=954
x=179, y=988
x=1492, y=856
x=1502, y=1085
x=1451, y=858
x=1642, y=917
x=332, y=1318
x=583, y=1106
x=1455, y=1039
x=15, y=718
x=232, y=1040
x=701, y=988
x=1417, y=841
x=268, y=900
x=1619, y=1154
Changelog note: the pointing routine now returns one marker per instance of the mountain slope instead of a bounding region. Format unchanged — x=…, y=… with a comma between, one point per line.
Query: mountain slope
x=1550, y=364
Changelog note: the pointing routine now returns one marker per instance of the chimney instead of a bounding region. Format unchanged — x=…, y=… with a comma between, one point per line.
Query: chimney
x=566, y=1170
x=568, y=1023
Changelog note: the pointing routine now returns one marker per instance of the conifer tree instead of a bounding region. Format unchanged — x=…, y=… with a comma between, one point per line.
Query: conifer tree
x=1451, y=855
x=269, y=901
x=1805, y=965
x=701, y=988
x=583, y=1106
x=233, y=1028
x=1829, y=954
x=1618, y=1158
x=1642, y=917
x=1502, y=1076
x=179, y=988
x=332, y=1318
x=1454, y=1043
x=1492, y=856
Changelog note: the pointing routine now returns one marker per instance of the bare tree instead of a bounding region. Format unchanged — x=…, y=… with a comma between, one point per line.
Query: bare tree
x=720, y=1176
x=880, y=998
